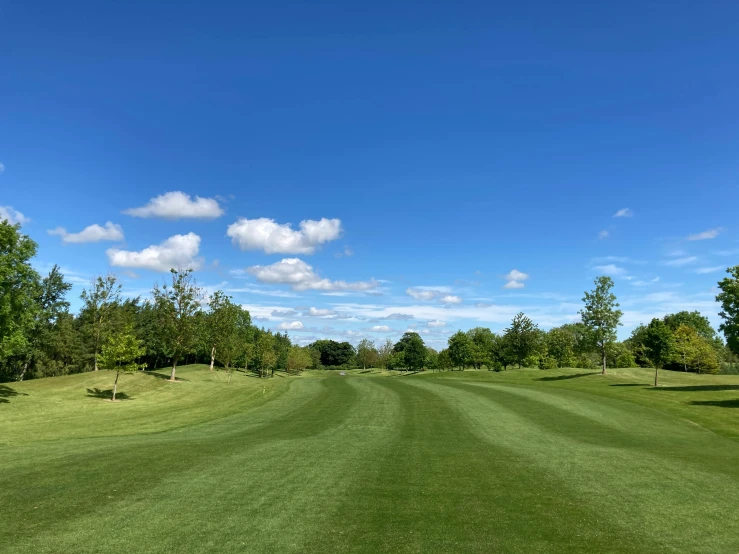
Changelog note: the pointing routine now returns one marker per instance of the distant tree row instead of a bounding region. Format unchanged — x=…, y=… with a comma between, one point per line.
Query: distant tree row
x=180, y=324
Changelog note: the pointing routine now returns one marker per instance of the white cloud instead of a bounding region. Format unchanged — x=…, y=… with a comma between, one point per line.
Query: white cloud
x=179, y=251
x=290, y=326
x=610, y=269
x=513, y=285
x=381, y=328
x=515, y=279
x=624, y=212
x=300, y=276
x=679, y=262
x=435, y=323
x=602, y=234
x=450, y=299
x=92, y=233
x=178, y=205
x=274, y=238
x=425, y=295
x=319, y=312
x=705, y=235
x=2, y=167
x=12, y=216
x=709, y=269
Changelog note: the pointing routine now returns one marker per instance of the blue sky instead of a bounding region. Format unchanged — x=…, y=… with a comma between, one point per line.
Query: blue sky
x=437, y=151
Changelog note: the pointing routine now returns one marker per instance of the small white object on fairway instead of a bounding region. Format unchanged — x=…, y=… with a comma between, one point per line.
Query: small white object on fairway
x=342, y=373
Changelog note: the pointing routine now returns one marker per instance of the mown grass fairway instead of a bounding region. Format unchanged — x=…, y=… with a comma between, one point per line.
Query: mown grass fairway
x=521, y=461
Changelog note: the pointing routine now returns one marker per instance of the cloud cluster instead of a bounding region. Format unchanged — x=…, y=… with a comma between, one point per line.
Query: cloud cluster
x=93, y=233
x=178, y=251
x=178, y=205
x=515, y=279
x=427, y=294
x=275, y=238
x=624, y=212
x=12, y=216
x=301, y=276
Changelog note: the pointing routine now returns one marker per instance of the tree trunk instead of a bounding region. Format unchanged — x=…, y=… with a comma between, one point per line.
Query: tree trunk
x=604, y=360
x=174, y=369
x=212, y=357
x=656, y=375
x=96, y=359
x=115, y=385
x=23, y=373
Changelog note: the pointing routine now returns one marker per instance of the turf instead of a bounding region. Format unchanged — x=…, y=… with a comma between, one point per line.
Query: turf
x=519, y=461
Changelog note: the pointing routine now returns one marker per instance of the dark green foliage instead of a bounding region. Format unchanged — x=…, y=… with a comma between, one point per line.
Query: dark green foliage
x=459, y=349
x=334, y=353
x=729, y=300
x=522, y=338
x=413, y=350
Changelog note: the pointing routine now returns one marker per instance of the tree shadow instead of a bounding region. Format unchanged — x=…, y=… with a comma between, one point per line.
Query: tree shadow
x=734, y=403
x=162, y=376
x=107, y=394
x=6, y=392
x=565, y=377
x=700, y=388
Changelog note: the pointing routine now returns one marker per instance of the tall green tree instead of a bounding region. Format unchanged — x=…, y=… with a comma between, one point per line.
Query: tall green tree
x=522, y=337
x=729, y=300
x=265, y=353
x=176, y=306
x=482, y=342
x=660, y=344
x=99, y=302
x=221, y=328
x=120, y=353
x=459, y=349
x=19, y=293
x=383, y=353
x=366, y=353
x=413, y=349
x=601, y=315
x=561, y=346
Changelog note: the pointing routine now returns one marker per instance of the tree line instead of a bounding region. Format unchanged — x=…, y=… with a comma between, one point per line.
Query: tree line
x=39, y=336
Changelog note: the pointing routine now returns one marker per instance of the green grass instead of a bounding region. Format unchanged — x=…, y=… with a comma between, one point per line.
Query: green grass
x=520, y=461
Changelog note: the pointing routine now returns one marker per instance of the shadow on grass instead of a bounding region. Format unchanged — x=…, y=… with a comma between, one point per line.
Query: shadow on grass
x=164, y=376
x=565, y=377
x=6, y=392
x=699, y=388
x=107, y=394
x=734, y=403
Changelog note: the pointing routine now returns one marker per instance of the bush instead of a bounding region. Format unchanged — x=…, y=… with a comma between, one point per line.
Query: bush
x=547, y=362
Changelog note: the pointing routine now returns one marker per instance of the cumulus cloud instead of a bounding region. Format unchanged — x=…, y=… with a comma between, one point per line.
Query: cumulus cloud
x=513, y=285
x=706, y=235
x=93, y=233
x=274, y=238
x=284, y=313
x=290, y=326
x=435, y=323
x=178, y=205
x=319, y=312
x=602, y=234
x=610, y=269
x=300, y=276
x=179, y=251
x=425, y=295
x=515, y=279
x=679, y=262
x=624, y=212
x=450, y=299
x=12, y=216
x=381, y=328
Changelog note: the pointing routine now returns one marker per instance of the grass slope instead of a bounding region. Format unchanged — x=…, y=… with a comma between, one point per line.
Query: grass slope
x=521, y=461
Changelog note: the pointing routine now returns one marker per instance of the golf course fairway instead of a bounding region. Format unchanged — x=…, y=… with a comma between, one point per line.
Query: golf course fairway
x=518, y=461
